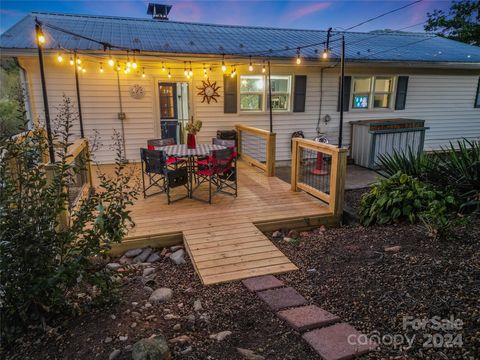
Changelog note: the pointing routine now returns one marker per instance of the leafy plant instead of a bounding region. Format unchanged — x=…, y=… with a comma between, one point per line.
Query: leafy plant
x=45, y=266
x=193, y=126
x=441, y=220
x=398, y=198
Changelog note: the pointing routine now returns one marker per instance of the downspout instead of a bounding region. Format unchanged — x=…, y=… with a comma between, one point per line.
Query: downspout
x=121, y=117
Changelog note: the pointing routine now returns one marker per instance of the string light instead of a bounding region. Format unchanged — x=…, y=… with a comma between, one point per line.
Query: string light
x=163, y=66
x=204, y=71
x=325, y=53
x=101, y=67
x=234, y=72
x=79, y=68
x=79, y=61
x=143, y=73
x=60, y=58
x=263, y=67
x=40, y=36
x=134, y=64
x=299, y=60
x=169, y=75
x=185, y=72
x=250, y=67
x=224, y=68
x=118, y=66
x=190, y=72
x=128, y=59
x=83, y=70
x=71, y=61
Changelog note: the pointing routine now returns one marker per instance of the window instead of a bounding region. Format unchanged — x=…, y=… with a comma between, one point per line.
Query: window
x=372, y=92
x=252, y=92
x=280, y=92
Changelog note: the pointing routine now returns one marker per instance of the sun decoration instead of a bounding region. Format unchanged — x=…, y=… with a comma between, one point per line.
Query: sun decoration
x=209, y=91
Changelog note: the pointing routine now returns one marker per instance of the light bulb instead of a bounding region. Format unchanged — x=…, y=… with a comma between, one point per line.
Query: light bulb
x=263, y=69
x=299, y=60
x=60, y=58
x=128, y=69
x=134, y=65
x=118, y=66
x=143, y=73
x=163, y=67
x=79, y=68
x=169, y=75
x=41, y=38
x=83, y=70
x=79, y=61
x=71, y=61
x=190, y=72
x=325, y=54
x=111, y=62
x=224, y=68
x=205, y=75
x=101, y=67
x=129, y=64
x=250, y=66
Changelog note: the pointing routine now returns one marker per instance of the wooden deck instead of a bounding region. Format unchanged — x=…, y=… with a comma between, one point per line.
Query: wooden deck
x=224, y=239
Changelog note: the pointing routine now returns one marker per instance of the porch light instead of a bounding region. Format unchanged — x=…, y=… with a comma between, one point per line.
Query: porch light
x=71, y=61
x=101, y=67
x=250, y=67
x=59, y=58
x=299, y=60
x=110, y=61
x=169, y=75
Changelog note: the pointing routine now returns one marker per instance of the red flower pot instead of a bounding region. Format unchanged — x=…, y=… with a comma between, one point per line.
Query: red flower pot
x=191, y=141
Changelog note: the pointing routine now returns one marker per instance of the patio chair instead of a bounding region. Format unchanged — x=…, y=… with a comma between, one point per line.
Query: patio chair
x=202, y=162
x=154, y=165
x=171, y=160
x=219, y=172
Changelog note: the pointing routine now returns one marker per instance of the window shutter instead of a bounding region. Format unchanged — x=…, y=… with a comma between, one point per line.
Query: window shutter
x=347, y=85
x=402, y=85
x=230, y=94
x=300, y=93
x=477, y=97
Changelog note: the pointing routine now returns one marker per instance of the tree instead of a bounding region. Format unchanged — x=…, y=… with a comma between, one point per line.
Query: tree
x=462, y=22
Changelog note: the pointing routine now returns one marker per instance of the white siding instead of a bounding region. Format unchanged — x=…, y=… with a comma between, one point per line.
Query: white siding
x=444, y=98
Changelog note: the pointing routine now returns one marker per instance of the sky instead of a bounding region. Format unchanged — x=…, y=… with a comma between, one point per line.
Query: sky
x=318, y=15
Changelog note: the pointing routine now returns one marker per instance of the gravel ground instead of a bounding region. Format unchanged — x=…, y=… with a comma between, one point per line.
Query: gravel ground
x=345, y=271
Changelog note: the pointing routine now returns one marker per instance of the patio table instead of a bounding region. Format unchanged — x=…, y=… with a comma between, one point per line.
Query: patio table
x=182, y=151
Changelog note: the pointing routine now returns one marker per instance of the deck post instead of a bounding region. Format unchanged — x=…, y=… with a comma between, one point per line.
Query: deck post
x=337, y=183
x=294, y=166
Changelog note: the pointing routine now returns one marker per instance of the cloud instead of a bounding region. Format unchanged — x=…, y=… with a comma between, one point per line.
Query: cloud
x=307, y=10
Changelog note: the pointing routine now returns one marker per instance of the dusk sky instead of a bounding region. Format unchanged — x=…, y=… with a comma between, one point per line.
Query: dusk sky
x=290, y=14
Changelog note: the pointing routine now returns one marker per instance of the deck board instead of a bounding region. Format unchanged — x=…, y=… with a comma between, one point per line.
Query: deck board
x=221, y=239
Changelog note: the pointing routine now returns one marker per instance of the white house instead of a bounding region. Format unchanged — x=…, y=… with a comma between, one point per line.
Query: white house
x=389, y=74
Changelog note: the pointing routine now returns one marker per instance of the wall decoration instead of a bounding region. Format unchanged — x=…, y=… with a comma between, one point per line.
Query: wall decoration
x=209, y=91
x=137, y=91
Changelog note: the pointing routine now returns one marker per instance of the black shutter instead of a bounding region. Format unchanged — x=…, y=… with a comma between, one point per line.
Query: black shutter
x=477, y=97
x=230, y=94
x=300, y=93
x=347, y=85
x=402, y=85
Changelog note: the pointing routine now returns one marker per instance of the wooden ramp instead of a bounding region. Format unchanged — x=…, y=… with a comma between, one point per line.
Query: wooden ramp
x=232, y=252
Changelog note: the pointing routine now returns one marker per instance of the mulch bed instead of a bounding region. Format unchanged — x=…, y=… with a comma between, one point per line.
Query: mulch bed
x=345, y=271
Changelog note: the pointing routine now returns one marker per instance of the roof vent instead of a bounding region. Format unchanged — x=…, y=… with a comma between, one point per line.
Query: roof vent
x=159, y=11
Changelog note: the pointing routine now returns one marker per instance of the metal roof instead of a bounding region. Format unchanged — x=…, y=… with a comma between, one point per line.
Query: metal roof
x=195, y=38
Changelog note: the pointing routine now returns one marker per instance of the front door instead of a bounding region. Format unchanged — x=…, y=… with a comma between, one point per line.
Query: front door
x=168, y=110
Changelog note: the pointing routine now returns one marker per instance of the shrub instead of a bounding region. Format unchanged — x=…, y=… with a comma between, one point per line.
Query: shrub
x=398, y=198
x=46, y=267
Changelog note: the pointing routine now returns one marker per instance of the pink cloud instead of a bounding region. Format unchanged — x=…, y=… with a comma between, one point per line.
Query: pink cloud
x=307, y=10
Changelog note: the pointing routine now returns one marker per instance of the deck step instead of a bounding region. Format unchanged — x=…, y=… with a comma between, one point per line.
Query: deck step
x=239, y=253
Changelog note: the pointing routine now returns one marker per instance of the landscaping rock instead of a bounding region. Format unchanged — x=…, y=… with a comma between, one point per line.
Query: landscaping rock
x=293, y=234
x=171, y=317
x=114, y=354
x=175, y=248
x=125, y=260
x=180, y=339
x=221, y=335
x=123, y=338
x=133, y=252
x=392, y=249
x=277, y=235
x=155, y=347
x=187, y=350
x=178, y=257
x=142, y=256
x=148, y=289
x=177, y=327
x=197, y=305
x=161, y=295
x=164, y=251
x=107, y=340
x=249, y=354
x=113, y=266
x=148, y=271
x=154, y=257
x=289, y=240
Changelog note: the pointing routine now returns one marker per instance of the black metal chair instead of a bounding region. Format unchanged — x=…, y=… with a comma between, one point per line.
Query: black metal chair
x=223, y=142
x=171, y=160
x=154, y=165
x=220, y=172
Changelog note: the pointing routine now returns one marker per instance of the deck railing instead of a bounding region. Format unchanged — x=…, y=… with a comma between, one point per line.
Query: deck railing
x=319, y=169
x=257, y=147
x=80, y=183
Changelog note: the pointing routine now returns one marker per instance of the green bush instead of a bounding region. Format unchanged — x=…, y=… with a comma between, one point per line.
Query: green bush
x=46, y=268
x=398, y=198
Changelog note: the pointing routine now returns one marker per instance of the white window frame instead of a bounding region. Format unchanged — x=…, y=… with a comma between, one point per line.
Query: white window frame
x=372, y=93
x=265, y=93
x=240, y=93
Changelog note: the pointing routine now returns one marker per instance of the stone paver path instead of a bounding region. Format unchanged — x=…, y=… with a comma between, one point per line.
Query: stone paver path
x=331, y=342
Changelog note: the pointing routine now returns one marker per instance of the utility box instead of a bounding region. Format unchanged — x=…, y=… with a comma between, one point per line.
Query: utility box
x=371, y=138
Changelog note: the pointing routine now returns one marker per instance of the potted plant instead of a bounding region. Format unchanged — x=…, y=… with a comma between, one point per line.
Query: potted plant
x=192, y=127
